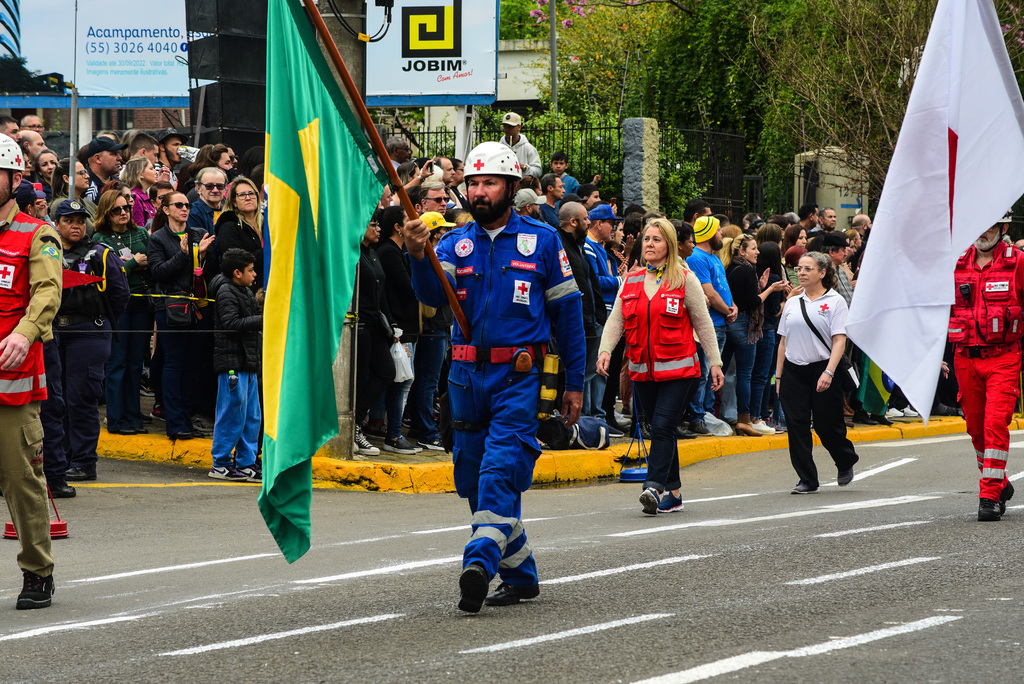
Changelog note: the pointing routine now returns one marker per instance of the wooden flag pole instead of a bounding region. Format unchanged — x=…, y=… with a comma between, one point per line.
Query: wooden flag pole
x=382, y=156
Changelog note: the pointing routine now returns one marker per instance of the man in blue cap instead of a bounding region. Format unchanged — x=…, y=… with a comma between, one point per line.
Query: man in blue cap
x=602, y=224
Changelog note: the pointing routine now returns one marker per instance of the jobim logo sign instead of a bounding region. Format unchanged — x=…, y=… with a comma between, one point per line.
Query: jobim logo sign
x=433, y=31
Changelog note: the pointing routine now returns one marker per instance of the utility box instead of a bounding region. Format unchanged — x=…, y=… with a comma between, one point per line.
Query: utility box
x=825, y=178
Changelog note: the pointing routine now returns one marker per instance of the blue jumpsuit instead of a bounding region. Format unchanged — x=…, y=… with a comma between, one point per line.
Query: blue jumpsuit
x=511, y=290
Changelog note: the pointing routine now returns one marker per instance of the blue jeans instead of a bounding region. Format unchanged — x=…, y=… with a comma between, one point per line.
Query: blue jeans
x=697, y=402
x=124, y=367
x=663, y=403
x=430, y=351
x=237, y=426
x=736, y=333
x=392, y=402
x=763, y=356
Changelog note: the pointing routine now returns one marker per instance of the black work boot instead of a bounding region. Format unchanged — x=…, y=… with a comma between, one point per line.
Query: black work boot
x=988, y=510
x=1005, y=496
x=474, y=584
x=36, y=592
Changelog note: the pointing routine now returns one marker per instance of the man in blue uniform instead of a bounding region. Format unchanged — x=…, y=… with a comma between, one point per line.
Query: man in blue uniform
x=514, y=281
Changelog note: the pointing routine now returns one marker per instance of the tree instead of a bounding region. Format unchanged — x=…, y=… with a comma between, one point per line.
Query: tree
x=16, y=78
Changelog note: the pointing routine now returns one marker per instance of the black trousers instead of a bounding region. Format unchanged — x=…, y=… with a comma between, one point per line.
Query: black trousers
x=800, y=401
x=663, y=403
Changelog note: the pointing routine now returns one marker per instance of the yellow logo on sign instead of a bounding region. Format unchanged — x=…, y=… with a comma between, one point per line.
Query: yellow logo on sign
x=432, y=31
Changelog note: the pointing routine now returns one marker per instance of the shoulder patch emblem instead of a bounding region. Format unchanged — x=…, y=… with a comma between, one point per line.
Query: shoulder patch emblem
x=464, y=247
x=527, y=243
x=51, y=251
x=563, y=259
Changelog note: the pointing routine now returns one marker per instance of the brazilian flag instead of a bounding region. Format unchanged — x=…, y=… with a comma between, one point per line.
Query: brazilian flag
x=323, y=184
x=875, y=387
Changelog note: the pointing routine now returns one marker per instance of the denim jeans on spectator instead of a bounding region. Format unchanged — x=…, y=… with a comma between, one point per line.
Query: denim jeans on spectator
x=237, y=427
x=593, y=384
x=697, y=402
x=736, y=333
x=178, y=374
x=764, y=351
x=394, y=400
x=663, y=404
x=709, y=394
x=124, y=367
x=430, y=352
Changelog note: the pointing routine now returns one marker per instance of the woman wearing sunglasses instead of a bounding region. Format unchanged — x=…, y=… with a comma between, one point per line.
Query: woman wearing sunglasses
x=115, y=228
x=241, y=224
x=176, y=257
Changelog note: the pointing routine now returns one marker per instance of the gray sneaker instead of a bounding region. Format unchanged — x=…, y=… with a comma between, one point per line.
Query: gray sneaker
x=803, y=488
x=650, y=499
x=400, y=445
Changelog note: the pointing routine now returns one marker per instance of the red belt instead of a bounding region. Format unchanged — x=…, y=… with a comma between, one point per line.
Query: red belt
x=987, y=352
x=465, y=352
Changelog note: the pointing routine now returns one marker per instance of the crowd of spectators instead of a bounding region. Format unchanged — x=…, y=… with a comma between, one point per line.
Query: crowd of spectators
x=171, y=217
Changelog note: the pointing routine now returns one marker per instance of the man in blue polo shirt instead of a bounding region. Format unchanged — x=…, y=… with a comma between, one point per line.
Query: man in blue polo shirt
x=711, y=273
x=602, y=224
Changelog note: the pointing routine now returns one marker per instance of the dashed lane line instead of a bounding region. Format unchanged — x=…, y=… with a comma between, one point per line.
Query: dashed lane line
x=518, y=643
x=862, y=571
x=625, y=568
x=876, y=470
x=172, y=568
x=754, y=658
x=249, y=641
x=877, y=528
x=381, y=571
x=837, y=508
x=70, y=626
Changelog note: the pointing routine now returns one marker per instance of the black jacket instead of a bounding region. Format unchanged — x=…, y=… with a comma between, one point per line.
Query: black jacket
x=373, y=305
x=401, y=298
x=586, y=281
x=238, y=340
x=171, y=269
x=232, y=233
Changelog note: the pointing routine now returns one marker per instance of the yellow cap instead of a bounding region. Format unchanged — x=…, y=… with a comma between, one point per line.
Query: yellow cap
x=435, y=220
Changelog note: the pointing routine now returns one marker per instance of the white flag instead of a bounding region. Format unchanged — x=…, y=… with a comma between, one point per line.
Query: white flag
x=955, y=171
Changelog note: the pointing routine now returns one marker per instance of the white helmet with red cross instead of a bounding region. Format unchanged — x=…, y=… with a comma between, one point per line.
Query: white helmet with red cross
x=493, y=159
x=11, y=156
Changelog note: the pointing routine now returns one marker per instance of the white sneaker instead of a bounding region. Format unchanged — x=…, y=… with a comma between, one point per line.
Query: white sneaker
x=894, y=413
x=761, y=427
x=910, y=413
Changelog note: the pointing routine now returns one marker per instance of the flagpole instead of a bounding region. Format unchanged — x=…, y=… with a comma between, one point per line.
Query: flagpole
x=382, y=156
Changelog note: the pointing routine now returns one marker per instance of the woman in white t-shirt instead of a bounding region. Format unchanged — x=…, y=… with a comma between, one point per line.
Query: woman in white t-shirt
x=806, y=371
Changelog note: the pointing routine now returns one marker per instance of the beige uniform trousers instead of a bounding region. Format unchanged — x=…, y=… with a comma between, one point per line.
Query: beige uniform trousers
x=23, y=484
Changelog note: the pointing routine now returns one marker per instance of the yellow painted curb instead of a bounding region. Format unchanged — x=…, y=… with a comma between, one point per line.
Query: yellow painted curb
x=553, y=467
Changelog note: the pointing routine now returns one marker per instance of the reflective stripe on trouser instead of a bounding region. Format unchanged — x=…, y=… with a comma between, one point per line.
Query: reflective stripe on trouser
x=23, y=484
x=494, y=466
x=988, y=395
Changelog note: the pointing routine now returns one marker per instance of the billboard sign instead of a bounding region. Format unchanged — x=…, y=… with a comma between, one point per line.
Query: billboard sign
x=435, y=52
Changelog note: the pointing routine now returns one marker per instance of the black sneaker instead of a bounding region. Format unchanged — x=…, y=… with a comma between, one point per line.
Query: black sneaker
x=988, y=510
x=845, y=477
x=431, y=444
x=699, y=427
x=36, y=592
x=400, y=445
x=649, y=500
x=645, y=428
x=1005, y=496
x=157, y=412
x=803, y=488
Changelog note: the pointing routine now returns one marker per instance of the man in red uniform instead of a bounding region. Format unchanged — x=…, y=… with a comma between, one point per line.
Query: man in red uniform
x=986, y=328
x=30, y=282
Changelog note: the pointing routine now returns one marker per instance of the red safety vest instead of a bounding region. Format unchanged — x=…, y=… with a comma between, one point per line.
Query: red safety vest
x=662, y=351
x=987, y=305
x=27, y=382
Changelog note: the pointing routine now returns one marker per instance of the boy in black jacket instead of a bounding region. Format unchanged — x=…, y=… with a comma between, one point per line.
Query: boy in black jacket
x=237, y=357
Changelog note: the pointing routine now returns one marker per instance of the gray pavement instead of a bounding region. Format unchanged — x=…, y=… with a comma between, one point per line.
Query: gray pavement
x=169, y=576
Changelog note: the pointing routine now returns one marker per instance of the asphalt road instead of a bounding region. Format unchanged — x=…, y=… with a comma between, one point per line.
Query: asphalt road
x=169, y=576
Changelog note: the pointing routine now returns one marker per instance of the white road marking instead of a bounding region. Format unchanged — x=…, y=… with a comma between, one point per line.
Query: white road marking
x=741, y=662
x=568, y=633
x=282, y=635
x=1014, y=478
x=876, y=470
x=381, y=571
x=172, y=568
x=852, y=506
x=625, y=568
x=70, y=626
x=721, y=498
x=911, y=442
x=873, y=529
x=863, y=571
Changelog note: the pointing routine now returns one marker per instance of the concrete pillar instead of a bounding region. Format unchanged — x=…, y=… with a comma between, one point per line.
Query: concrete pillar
x=640, y=163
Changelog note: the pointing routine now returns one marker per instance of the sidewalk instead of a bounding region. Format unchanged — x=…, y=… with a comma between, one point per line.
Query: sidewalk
x=431, y=471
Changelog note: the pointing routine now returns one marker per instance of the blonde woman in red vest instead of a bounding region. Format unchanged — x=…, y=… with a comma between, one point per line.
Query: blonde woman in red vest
x=659, y=306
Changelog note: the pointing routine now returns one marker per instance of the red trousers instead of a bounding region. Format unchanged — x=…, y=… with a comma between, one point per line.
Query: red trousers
x=989, y=389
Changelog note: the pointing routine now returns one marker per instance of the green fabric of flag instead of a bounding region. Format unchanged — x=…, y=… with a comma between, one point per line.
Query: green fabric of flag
x=323, y=184
x=875, y=388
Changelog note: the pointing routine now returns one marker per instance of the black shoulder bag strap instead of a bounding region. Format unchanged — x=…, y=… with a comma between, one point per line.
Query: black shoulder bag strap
x=803, y=310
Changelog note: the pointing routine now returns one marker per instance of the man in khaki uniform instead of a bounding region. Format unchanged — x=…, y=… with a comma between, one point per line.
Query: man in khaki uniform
x=29, y=297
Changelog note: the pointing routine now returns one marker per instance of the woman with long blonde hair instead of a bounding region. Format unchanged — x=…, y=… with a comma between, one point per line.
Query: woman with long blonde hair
x=659, y=307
